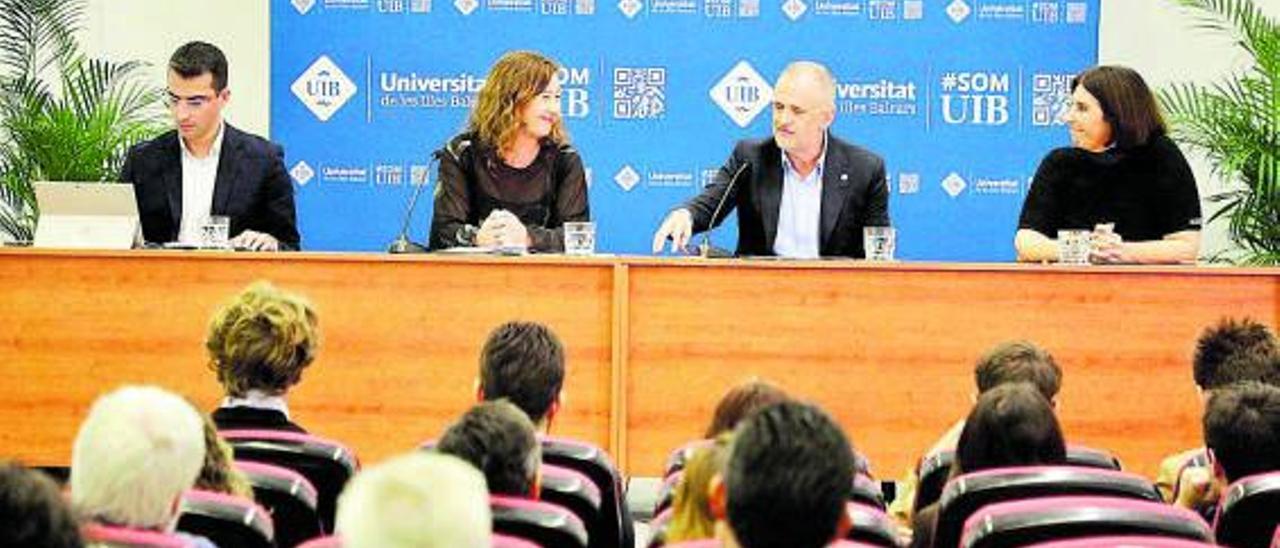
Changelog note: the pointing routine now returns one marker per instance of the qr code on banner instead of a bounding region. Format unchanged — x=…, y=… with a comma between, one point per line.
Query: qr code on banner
x=639, y=92
x=1050, y=98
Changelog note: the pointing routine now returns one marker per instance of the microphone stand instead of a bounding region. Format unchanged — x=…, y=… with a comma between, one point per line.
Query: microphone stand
x=705, y=249
x=402, y=243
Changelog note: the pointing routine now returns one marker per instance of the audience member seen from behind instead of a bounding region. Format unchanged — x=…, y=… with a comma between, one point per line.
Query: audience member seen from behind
x=33, y=514
x=1229, y=352
x=787, y=480
x=218, y=473
x=1014, y=361
x=692, y=516
x=498, y=439
x=1012, y=424
x=259, y=344
x=740, y=401
x=1123, y=179
x=511, y=179
x=138, y=449
x=1242, y=432
x=420, y=500
x=523, y=362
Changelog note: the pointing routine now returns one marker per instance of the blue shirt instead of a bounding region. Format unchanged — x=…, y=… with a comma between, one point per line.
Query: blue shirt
x=800, y=214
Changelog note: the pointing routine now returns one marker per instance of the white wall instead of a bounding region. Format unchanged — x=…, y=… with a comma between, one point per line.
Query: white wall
x=1148, y=35
x=149, y=30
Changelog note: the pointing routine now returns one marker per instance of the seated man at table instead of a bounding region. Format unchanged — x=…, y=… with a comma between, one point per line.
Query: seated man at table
x=206, y=167
x=802, y=193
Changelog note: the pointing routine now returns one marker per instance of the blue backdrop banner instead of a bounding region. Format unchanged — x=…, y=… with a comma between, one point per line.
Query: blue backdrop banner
x=962, y=98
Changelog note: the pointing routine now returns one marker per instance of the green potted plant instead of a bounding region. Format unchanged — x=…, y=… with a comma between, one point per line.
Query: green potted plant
x=1235, y=123
x=64, y=116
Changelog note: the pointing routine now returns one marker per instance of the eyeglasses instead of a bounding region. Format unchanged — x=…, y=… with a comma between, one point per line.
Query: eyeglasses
x=193, y=102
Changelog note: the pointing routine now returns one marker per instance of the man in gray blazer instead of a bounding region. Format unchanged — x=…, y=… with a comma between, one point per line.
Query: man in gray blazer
x=802, y=193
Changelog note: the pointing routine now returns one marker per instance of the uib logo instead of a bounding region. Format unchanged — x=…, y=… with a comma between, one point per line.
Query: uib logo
x=323, y=88
x=575, y=81
x=975, y=98
x=742, y=93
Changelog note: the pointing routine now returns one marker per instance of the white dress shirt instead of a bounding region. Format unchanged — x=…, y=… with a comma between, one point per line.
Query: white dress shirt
x=800, y=214
x=258, y=399
x=198, y=177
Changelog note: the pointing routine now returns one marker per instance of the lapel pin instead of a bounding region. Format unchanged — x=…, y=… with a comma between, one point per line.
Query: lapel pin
x=844, y=176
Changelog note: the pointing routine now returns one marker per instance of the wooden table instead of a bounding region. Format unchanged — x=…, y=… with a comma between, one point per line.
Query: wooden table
x=652, y=342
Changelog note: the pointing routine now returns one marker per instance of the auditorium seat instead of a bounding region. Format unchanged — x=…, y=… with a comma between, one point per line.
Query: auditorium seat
x=1022, y=522
x=322, y=542
x=1127, y=541
x=681, y=455
x=327, y=464
x=508, y=541
x=1250, y=511
x=595, y=464
x=667, y=494
x=110, y=536
x=289, y=497
x=575, y=492
x=541, y=522
x=866, y=491
x=871, y=526
x=226, y=520
x=964, y=495
x=935, y=469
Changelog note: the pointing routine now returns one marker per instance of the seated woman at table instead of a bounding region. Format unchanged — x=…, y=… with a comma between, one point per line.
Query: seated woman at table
x=259, y=344
x=1124, y=179
x=511, y=179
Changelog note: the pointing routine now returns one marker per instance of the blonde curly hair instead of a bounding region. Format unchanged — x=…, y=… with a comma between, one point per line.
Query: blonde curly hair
x=517, y=78
x=262, y=340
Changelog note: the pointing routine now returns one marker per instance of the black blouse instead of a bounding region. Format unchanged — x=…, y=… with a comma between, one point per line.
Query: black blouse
x=1147, y=191
x=473, y=181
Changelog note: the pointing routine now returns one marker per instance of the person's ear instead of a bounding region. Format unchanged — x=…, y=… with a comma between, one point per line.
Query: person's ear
x=718, y=498
x=535, y=490
x=479, y=391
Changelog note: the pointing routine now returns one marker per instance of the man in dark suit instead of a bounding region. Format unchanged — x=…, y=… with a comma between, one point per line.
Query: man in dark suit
x=207, y=168
x=802, y=193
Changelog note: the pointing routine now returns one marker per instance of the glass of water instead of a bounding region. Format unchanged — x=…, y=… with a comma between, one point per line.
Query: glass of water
x=878, y=242
x=215, y=232
x=1074, y=246
x=580, y=238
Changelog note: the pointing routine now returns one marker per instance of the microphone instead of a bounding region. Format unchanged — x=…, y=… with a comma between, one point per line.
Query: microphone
x=402, y=244
x=705, y=249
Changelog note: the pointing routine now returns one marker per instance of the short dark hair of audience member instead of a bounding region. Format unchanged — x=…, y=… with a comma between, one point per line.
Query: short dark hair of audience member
x=218, y=474
x=196, y=58
x=788, y=476
x=1127, y=103
x=523, y=362
x=1242, y=429
x=499, y=439
x=262, y=340
x=692, y=517
x=1011, y=425
x=1019, y=361
x=740, y=401
x=419, y=500
x=33, y=513
x=1235, y=351
x=138, y=449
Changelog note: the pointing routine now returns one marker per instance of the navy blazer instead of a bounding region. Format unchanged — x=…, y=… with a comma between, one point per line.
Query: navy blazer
x=854, y=194
x=252, y=187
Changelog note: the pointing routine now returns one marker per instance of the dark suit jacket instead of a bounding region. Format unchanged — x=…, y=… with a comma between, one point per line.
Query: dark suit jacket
x=854, y=195
x=251, y=187
x=249, y=418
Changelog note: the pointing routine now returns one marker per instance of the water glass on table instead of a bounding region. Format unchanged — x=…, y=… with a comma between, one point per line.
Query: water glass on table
x=579, y=238
x=878, y=241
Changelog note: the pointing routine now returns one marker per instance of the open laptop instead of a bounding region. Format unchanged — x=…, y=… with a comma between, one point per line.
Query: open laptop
x=76, y=215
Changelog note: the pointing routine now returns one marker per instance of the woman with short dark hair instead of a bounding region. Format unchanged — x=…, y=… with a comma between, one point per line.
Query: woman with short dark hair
x=1123, y=179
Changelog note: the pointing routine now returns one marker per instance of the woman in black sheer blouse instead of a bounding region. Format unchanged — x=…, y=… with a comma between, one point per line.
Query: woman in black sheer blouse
x=511, y=180
x=1123, y=178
